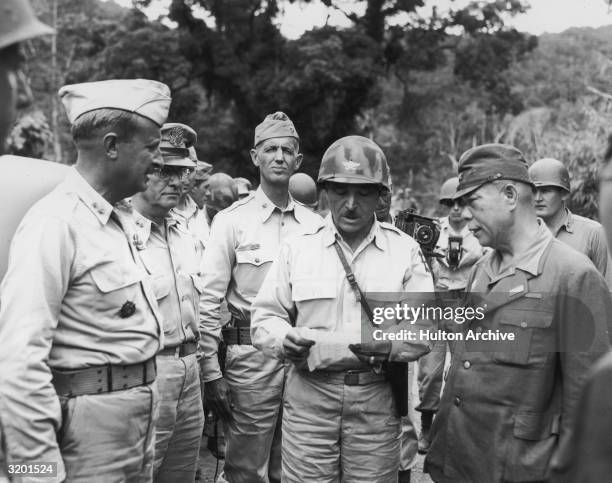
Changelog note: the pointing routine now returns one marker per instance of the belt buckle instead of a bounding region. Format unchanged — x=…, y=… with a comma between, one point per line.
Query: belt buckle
x=351, y=378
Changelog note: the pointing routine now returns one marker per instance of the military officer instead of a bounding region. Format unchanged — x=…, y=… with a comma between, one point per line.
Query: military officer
x=551, y=179
x=461, y=250
x=339, y=420
x=244, y=240
x=509, y=403
x=79, y=327
x=172, y=260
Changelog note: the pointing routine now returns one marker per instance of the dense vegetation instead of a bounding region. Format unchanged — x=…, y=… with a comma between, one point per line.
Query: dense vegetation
x=425, y=86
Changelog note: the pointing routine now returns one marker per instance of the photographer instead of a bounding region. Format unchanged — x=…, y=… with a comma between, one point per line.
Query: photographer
x=461, y=250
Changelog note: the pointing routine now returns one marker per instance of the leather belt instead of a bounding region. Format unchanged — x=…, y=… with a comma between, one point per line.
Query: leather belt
x=102, y=379
x=352, y=377
x=181, y=350
x=236, y=335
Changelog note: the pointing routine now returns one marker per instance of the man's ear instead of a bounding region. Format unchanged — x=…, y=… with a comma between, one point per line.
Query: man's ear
x=511, y=195
x=298, y=161
x=254, y=157
x=110, y=146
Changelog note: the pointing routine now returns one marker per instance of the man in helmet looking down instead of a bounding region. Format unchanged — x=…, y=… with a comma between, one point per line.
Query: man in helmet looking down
x=339, y=416
x=552, y=184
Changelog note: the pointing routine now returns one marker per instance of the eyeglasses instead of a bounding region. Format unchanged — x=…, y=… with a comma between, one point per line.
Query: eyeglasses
x=167, y=172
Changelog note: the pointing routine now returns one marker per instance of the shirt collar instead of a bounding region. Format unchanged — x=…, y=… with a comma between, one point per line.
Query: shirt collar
x=93, y=200
x=144, y=226
x=189, y=209
x=527, y=261
x=568, y=222
x=374, y=235
x=267, y=207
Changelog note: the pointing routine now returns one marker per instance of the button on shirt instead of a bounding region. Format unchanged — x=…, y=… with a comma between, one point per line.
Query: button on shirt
x=307, y=287
x=71, y=271
x=586, y=236
x=169, y=255
x=244, y=240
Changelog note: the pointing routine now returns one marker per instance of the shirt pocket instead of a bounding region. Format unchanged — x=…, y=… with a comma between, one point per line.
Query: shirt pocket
x=534, y=341
x=255, y=258
x=118, y=284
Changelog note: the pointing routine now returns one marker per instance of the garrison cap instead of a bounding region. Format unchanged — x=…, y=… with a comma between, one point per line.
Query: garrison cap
x=147, y=98
x=176, y=139
x=277, y=125
x=18, y=23
x=487, y=163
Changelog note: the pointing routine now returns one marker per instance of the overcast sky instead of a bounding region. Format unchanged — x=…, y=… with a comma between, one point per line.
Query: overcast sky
x=544, y=15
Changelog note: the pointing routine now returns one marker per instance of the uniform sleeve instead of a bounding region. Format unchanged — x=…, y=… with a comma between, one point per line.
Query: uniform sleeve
x=217, y=263
x=41, y=257
x=584, y=339
x=419, y=283
x=273, y=309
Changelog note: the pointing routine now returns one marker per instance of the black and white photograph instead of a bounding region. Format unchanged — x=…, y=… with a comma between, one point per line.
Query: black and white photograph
x=306, y=241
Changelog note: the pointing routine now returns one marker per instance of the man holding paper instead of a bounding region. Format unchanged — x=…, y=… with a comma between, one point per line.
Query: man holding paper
x=339, y=418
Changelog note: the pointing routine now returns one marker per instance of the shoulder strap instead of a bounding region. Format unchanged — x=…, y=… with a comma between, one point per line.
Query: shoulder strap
x=350, y=276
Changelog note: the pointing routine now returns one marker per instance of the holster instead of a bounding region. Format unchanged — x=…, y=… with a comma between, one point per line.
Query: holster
x=397, y=375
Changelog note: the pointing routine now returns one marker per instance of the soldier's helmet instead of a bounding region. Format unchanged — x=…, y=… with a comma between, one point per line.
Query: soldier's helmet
x=448, y=190
x=354, y=160
x=18, y=23
x=549, y=172
x=303, y=188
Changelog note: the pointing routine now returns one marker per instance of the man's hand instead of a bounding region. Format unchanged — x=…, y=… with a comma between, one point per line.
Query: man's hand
x=372, y=353
x=218, y=398
x=296, y=347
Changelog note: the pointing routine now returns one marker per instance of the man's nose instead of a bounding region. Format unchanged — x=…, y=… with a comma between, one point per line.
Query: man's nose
x=466, y=214
x=538, y=195
x=278, y=154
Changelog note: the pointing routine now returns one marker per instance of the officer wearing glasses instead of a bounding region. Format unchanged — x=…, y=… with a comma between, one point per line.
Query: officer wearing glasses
x=169, y=254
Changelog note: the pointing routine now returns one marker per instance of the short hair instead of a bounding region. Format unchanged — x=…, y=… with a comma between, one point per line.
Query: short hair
x=525, y=191
x=87, y=125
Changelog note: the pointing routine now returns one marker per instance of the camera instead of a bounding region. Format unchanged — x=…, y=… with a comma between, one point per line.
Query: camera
x=453, y=256
x=424, y=230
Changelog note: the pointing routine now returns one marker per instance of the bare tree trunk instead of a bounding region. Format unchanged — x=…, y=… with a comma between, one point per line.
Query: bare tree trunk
x=57, y=146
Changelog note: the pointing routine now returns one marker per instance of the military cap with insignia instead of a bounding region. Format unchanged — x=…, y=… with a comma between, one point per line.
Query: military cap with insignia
x=489, y=162
x=176, y=139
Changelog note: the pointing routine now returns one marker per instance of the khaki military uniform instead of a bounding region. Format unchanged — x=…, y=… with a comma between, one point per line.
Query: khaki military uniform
x=507, y=406
x=75, y=295
x=170, y=257
x=244, y=240
x=334, y=428
x=586, y=236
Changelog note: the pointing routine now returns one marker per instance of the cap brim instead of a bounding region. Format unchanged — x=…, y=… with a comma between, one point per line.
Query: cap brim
x=34, y=29
x=181, y=162
x=465, y=191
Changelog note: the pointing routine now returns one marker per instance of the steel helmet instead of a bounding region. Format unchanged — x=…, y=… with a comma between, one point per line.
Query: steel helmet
x=355, y=160
x=448, y=190
x=303, y=188
x=549, y=172
x=18, y=23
